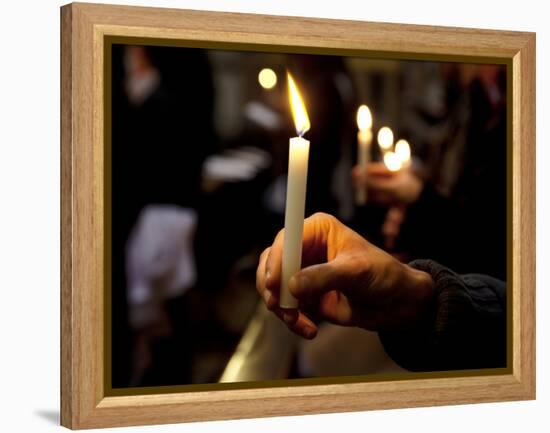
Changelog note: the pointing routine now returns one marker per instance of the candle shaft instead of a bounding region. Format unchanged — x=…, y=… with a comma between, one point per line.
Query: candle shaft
x=294, y=217
x=364, y=139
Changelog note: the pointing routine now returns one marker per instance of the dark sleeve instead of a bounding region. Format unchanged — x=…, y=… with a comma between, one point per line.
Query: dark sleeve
x=465, y=330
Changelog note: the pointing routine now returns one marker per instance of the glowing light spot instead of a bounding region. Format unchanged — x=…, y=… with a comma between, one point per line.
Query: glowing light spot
x=267, y=78
x=392, y=161
x=403, y=151
x=385, y=138
x=364, y=118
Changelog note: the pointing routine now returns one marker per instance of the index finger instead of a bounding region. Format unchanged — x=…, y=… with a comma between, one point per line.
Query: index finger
x=273, y=263
x=295, y=320
x=316, y=230
x=271, y=301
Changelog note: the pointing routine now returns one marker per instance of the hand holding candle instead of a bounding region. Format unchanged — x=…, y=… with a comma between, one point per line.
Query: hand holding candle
x=347, y=281
x=295, y=195
x=390, y=181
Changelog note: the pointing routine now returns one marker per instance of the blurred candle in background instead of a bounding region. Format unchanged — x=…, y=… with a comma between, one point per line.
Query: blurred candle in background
x=385, y=139
x=295, y=195
x=403, y=152
x=392, y=161
x=399, y=158
x=364, y=140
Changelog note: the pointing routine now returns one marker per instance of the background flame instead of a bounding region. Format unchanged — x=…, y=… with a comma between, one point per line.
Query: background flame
x=392, y=161
x=403, y=150
x=299, y=113
x=385, y=138
x=364, y=117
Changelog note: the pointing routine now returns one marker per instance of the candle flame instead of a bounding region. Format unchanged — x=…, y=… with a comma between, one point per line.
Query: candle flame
x=364, y=118
x=392, y=161
x=299, y=113
x=385, y=138
x=403, y=151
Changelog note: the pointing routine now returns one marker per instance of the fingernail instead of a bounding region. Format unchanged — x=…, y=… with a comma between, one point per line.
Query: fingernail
x=267, y=274
x=309, y=332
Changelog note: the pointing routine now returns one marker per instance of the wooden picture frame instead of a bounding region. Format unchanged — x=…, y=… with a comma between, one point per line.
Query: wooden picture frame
x=84, y=28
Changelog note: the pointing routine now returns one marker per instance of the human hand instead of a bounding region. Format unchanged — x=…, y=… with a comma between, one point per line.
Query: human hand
x=388, y=187
x=345, y=280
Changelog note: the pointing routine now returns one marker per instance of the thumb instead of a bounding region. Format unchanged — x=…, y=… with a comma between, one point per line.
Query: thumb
x=317, y=280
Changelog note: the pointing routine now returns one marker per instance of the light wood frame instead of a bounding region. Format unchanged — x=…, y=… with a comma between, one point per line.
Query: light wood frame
x=84, y=27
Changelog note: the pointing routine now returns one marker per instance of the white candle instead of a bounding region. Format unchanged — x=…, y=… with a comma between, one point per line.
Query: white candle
x=294, y=216
x=364, y=140
x=295, y=196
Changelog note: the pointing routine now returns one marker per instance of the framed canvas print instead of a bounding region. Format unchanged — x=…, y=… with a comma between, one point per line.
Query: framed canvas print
x=265, y=215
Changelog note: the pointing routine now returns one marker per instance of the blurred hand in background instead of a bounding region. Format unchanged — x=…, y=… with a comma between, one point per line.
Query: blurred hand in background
x=386, y=186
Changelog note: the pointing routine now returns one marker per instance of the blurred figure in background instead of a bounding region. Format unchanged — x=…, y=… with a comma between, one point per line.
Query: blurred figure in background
x=458, y=198
x=161, y=132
